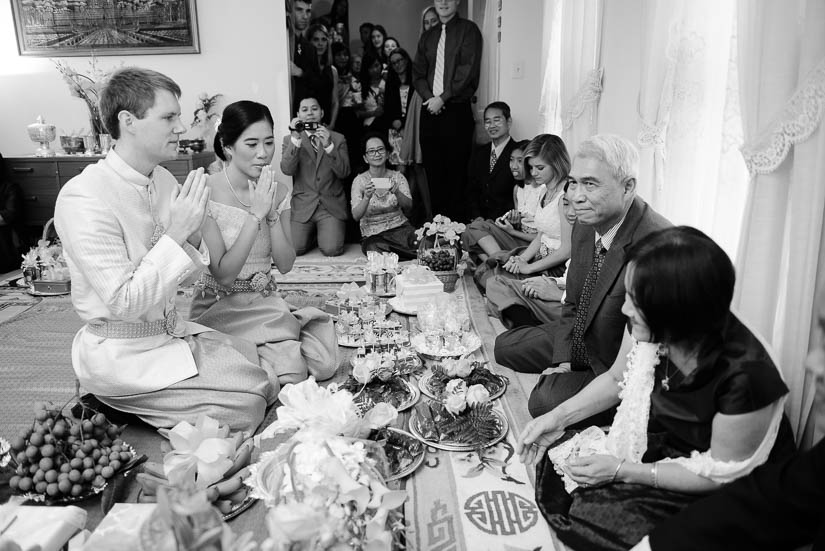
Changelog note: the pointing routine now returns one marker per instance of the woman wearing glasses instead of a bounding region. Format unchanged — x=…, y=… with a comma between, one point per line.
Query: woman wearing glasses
x=380, y=197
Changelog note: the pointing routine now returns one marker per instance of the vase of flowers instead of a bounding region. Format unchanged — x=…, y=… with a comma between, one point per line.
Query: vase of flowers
x=207, y=117
x=438, y=248
x=87, y=86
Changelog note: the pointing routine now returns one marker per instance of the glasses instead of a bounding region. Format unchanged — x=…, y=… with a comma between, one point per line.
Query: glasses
x=494, y=121
x=398, y=61
x=378, y=151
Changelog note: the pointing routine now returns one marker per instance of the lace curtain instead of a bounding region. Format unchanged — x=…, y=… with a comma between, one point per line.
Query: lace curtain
x=782, y=48
x=488, y=90
x=573, y=75
x=690, y=126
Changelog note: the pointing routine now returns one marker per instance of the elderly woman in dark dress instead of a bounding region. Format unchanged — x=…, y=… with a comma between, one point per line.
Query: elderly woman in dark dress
x=713, y=414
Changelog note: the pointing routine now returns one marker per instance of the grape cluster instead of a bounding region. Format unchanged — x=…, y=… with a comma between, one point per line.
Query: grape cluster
x=62, y=456
x=439, y=260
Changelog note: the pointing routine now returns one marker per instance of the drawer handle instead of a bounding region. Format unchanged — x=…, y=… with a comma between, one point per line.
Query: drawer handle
x=32, y=198
x=22, y=169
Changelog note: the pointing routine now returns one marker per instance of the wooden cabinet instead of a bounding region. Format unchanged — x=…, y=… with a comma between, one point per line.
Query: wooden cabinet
x=40, y=178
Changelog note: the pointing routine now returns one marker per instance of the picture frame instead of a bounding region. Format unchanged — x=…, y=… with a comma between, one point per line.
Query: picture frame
x=105, y=27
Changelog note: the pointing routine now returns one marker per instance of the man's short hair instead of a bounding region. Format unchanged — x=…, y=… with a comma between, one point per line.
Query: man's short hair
x=366, y=25
x=302, y=1
x=615, y=151
x=132, y=89
x=501, y=106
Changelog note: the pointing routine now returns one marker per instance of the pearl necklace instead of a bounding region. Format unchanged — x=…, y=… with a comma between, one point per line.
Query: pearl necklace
x=232, y=189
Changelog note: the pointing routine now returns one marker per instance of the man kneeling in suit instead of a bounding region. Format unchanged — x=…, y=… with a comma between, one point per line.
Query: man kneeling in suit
x=584, y=342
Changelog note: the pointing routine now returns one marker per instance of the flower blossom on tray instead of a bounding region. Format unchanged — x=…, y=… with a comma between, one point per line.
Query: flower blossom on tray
x=328, y=411
x=457, y=367
x=201, y=454
x=457, y=396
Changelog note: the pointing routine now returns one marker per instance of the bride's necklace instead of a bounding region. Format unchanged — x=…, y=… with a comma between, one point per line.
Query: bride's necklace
x=668, y=375
x=232, y=189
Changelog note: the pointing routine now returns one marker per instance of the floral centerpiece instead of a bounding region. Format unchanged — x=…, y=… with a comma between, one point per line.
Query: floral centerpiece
x=325, y=485
x=383, y=376
x=462, y=418
x=438, y=248
x=45, y=262
x=87, y=86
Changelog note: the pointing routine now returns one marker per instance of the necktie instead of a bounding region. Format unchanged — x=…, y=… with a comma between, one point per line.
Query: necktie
x=313, y=140
x=577, y=348
x=438, y=78
x=493, y=158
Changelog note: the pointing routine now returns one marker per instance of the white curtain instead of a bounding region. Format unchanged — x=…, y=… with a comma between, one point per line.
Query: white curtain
x=691, y=171
x=572, y=83
x=581, y=81
x=782, y=78
x=489, y=79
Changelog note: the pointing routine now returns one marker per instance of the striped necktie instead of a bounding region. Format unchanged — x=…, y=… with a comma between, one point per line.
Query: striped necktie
x=313, y=140
x=438, y=78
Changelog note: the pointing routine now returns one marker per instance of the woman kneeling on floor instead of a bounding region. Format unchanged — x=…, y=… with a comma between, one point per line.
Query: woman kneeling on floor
x=699, y=409
x=380, y=197
x=247, y=229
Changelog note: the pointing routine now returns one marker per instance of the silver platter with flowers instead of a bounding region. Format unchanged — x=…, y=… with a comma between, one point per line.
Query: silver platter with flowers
x=437, y=347
x=434, y=425
x=432, y=383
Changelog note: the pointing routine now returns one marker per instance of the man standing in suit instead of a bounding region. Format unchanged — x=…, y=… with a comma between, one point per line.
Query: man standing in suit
x=305, y=71
x=317, y=159
x=490, y=182
x=584, y=342
x=445, y=74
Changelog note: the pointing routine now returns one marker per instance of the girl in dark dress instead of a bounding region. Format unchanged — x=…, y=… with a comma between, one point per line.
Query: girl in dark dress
x=713, y=414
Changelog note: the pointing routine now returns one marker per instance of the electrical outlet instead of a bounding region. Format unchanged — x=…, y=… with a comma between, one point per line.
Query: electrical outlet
x=518, y=69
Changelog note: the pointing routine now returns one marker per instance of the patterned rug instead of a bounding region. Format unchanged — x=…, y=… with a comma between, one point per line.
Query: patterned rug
x=316, y=268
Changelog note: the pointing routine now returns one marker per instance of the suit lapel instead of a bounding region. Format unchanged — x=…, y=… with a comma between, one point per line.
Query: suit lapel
x=615, y=260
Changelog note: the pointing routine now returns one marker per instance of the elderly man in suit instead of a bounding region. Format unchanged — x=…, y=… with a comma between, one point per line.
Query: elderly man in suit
x=131, y=235
x=490, y=182
x=317, y=159
x=584, y=342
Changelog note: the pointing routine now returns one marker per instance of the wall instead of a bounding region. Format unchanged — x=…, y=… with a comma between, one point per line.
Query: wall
x=521, y=29
x=401, y=18
x=239, y=58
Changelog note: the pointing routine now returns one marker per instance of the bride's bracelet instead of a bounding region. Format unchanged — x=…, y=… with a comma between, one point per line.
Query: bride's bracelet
x=615, y=474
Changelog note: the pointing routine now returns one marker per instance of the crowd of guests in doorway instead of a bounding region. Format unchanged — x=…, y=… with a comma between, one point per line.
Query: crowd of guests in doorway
x=625, y=318
x=416, y=102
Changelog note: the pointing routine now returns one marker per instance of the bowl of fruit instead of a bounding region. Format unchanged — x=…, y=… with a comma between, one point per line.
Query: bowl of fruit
x=62, y=458
x=442, y=261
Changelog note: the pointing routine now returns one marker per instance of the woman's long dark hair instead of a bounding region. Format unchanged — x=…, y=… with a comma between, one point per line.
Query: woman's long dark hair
x=325, y=60
x=236, y=118
x=368, y=60
x=682, y=284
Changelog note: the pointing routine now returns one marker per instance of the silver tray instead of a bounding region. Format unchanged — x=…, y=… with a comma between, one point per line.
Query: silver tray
x=419, y=344
x=458, y=446
x=424, y=381
x=414, y=395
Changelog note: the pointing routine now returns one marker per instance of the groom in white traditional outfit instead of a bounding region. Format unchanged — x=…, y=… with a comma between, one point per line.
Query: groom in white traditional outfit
x=131, y=235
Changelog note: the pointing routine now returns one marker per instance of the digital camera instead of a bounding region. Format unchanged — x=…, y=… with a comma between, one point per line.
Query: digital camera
x=300, y=126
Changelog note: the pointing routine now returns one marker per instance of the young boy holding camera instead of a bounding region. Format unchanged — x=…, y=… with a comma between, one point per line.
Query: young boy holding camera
x=317, y=160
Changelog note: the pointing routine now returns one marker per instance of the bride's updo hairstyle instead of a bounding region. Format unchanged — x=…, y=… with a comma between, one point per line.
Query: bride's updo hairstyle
x=682, y=283
x=236, y=118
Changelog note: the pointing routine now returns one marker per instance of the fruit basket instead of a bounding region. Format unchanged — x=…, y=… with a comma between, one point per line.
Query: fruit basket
x=438, y=249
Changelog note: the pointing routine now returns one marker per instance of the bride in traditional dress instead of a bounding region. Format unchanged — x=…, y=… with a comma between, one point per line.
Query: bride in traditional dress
x=248, y=229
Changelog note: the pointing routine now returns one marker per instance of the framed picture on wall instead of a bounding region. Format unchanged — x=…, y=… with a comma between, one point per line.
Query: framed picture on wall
x=57, y=28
